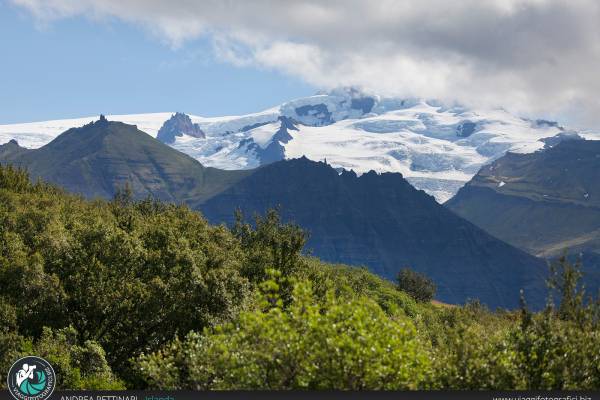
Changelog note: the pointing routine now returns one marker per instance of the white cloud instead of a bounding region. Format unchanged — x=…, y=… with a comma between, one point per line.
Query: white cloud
x=531, y=56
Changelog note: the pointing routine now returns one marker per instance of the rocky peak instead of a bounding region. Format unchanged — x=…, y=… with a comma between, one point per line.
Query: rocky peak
x=102, y=121
x=178, y=125
x=561, y=137
x=10, y=150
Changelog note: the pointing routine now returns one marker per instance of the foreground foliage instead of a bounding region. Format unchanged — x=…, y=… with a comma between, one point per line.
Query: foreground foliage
x=338, y=343
x=142, y=294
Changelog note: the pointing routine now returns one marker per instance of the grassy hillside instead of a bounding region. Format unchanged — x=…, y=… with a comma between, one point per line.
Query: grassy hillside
x=541, y=227
x=546, y=203
x=142, y=294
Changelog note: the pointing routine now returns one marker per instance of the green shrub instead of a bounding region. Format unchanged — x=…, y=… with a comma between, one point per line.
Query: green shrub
x=420, y=287
x=340, y=343
x=269, y=244
x=557, y=349
x=77, y=367
x=475, y=358
x=127, y=275
x=358, y=282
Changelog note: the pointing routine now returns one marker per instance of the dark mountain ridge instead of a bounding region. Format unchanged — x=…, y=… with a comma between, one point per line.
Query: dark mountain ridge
x=381, y=221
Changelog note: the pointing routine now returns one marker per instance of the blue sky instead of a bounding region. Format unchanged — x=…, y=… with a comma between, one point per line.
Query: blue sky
x=75, y=67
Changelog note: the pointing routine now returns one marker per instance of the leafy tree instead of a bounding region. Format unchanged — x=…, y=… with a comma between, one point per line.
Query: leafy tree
x=473, y=357
x=554, y=349
x=549, y=344
x=14, y=179
x=269, y=244
x=10, y=340
x=420, y=287
x=556, y=354
x=565, y=279
x=127, y=275
x=356, y=281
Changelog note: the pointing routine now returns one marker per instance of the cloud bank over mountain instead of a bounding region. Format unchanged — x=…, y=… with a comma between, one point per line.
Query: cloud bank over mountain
x=532, y=56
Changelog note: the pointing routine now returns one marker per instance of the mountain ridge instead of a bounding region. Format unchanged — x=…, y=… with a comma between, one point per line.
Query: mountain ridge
x=386, y=224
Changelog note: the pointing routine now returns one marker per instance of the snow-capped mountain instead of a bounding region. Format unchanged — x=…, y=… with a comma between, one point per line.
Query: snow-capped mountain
x=437, y=148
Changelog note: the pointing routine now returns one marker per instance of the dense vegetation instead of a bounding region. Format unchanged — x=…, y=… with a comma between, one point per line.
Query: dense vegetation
x=143, y=294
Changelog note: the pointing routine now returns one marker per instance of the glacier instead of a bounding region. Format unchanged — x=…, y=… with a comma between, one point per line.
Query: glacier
x=438, y=148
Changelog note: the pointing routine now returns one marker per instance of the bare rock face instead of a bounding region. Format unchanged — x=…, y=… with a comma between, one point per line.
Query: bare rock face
x=178, y=125
x=275, y=151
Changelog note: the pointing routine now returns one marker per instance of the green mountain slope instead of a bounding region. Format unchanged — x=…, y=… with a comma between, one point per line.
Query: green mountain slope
x=546, y=203
x=543, y=202
x=97, y=159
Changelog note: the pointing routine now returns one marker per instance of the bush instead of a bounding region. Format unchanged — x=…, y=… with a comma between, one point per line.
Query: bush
x=339, y=344
x=269, y=244
x=420, y=287
x=77, y=367
x=557, y=349
x=473, y=357
x=358, y=282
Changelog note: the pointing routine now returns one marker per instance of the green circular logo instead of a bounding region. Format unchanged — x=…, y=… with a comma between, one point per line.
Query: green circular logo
x=31, y=378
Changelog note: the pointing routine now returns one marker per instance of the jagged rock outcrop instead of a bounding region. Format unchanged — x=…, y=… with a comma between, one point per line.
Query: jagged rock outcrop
x=178, y=125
